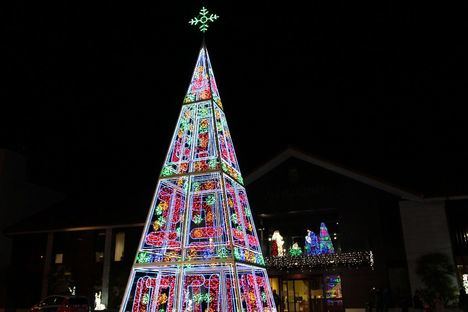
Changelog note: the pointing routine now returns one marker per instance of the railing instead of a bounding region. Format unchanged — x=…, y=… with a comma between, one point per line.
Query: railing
x=352, y=259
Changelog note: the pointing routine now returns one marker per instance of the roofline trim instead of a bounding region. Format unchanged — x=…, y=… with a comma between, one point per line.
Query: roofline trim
x=448, y=197
x=294, y=153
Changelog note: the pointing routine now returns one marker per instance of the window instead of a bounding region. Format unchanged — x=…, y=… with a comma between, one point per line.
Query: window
x=59, y=258
x=119, y=246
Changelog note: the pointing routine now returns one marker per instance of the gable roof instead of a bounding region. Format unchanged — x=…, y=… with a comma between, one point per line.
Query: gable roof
x=365, y=179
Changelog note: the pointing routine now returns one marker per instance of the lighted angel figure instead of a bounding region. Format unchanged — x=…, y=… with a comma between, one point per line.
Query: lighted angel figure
x=279, y=241
x=312, y=246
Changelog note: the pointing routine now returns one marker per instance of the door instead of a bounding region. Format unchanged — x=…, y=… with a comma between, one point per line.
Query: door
x=316, y=294
x=295, y=296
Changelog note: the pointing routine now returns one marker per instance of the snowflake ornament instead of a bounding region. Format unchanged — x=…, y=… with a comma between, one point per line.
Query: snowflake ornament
x=204, y=17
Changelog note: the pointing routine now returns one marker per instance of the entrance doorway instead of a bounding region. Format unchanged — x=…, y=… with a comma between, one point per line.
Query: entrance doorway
x=302, y=295
x=295, y=295
x=314, y=294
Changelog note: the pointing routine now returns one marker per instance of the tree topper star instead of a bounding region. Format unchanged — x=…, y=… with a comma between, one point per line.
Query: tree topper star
x=203, y=18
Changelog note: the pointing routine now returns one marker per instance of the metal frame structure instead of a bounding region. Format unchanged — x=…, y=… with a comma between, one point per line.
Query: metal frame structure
x=199, y=250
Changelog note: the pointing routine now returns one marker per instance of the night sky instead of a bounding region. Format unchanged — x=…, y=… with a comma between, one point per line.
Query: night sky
x=90, y=92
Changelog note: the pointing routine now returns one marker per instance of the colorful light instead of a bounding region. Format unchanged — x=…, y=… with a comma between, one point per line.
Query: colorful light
x=295, y=250
x=333, y=287
x=326, y=244
x=312, y=245
x=200, y=251
x=277, y=244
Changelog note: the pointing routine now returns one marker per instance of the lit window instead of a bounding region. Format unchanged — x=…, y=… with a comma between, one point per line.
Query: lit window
x=119, y=246
x=59, y=258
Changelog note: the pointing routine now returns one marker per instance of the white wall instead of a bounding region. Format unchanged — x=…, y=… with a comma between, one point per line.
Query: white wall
x=425, y=230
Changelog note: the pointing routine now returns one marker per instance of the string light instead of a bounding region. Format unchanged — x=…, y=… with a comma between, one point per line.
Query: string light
x=465, y=283
x=324, y=261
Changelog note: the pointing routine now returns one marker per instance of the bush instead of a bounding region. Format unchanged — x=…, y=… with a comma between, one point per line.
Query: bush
x=436, y=272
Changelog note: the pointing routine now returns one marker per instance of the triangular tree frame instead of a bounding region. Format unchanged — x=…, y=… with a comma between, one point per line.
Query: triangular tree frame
x=199, y=250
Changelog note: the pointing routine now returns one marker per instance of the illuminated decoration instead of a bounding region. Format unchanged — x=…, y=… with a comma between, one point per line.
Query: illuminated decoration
x=326, y=245
x=199, y=250
x=277, y=244
x=72, y=290
x=312, y=246
x=295, y=250
x=274, y=248
x=353, y=259
x=333, y=287
x=98, y=305
x=465, y=283
x=202, y=20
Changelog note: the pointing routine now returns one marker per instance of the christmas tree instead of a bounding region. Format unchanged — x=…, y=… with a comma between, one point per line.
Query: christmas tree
x=326, y=244
x=199, y=250
x=295, y=250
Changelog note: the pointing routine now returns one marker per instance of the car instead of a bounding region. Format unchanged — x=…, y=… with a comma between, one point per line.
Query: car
x=59, y=303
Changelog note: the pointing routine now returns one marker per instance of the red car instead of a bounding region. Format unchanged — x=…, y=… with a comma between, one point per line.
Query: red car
x=62, y=304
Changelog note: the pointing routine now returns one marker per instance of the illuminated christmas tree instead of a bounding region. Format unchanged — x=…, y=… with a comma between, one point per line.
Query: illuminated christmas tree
x=295, y=250
x=326, y=244
x=199, y=250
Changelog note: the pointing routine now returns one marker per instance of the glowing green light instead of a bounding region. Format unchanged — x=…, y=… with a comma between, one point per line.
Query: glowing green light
x=203, y=18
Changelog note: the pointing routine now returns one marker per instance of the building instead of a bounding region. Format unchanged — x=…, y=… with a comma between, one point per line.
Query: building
x=295, y=192
x=19, y=198
x=375, y=228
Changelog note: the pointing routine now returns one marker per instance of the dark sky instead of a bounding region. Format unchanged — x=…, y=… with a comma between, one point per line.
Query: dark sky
x=91, y=91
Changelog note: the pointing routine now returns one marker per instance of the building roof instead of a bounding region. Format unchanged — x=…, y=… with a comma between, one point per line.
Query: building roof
x=88, y=211
x=105, y=210
x=352, y=174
